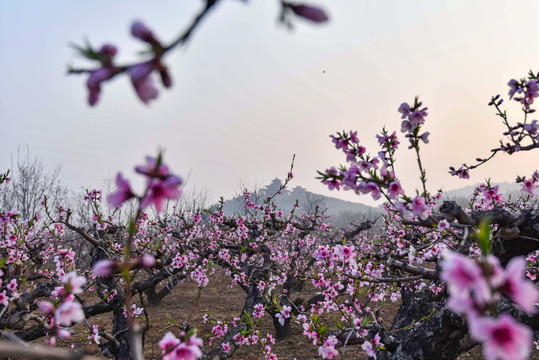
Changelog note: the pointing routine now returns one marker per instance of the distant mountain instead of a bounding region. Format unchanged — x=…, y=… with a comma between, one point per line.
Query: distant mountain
x=340, y=212
x=465, y=193
x=307, y=202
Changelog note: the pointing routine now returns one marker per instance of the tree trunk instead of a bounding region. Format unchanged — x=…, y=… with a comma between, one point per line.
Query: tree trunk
x=120, y=325
x=282, y=332
x=442, y=336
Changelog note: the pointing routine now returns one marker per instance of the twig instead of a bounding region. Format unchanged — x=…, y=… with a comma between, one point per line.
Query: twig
x=426, y=273
x=41, y=352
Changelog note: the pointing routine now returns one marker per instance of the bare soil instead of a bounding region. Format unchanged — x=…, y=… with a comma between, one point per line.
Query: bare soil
x=225, y=303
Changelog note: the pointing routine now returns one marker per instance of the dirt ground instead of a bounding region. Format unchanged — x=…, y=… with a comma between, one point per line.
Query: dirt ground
x=224, y=304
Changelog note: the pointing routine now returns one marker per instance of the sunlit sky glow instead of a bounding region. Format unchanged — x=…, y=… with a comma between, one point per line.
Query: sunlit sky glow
x=248, y=94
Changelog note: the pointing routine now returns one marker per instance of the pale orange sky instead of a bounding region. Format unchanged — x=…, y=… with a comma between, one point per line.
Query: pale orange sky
x=248, y=94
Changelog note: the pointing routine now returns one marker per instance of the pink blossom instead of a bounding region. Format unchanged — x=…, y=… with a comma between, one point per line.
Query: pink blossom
x=463, y=275
x=340, y=142
x=150, y=169
x=462, y=303
x=528, y=186
x=220, y=329
x=226, y=347
x=503, y=338
x=95, y=334
x=146, y=89
x=332, y=182
x=515, y=87
x=174, y=349
x=3, y=298
x=74, y=284
x=418, y=117
x=462, y=173
x=167, y=343
x=402, y=209
x=443, y=224
x=284, y=314
x=147, y=261
x=327, y=350
x=373, y=188
x=369, y=349
x=95, y=80
x=143, y=82
x=520, y=290
x=460, y=272
x=532, y=127
x=496, y=276
x=161, y=190
x=123, y=194
x=12, y=285
x=258, y=311
x=135, y=311
x=307, y=331
x=377, y=339
x=344, y=252
x=350, y=175
x=62, y=333
x=406, y=126
x=351, y=157
x=531, y=92
x=364, y=165
x=309, y=12
x=68, y=313
x=394, y=190
x=404, y=109
x=425, y=137
x=382, y=139
x=419, y=208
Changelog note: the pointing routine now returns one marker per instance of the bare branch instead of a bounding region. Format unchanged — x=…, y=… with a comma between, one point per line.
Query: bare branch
x=41, y=352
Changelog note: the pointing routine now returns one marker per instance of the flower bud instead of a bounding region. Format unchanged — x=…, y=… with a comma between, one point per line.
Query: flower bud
x=309, y=12
x=105, y=267
x=147, y=261
x=108, y=51
x=165, y=77
x=140, y=31
x=46, y=307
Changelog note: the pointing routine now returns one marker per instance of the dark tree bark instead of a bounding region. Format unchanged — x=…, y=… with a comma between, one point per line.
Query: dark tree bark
x=120, y=326
x=155, y=297
x=444, y=335
x=517, y=234
x=282, y=332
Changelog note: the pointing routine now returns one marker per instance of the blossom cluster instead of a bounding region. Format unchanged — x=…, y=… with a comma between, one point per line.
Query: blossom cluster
x=187, y=347
x=529, y=186
x=161, y=185
x=474, y=286
x=527, y=91
x=270, y=252
x=69, y=311
x=520, y=136
x=375, y=175
x=140, y=74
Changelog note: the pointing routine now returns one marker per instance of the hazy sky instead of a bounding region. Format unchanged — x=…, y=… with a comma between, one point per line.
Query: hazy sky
x=248, y=94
